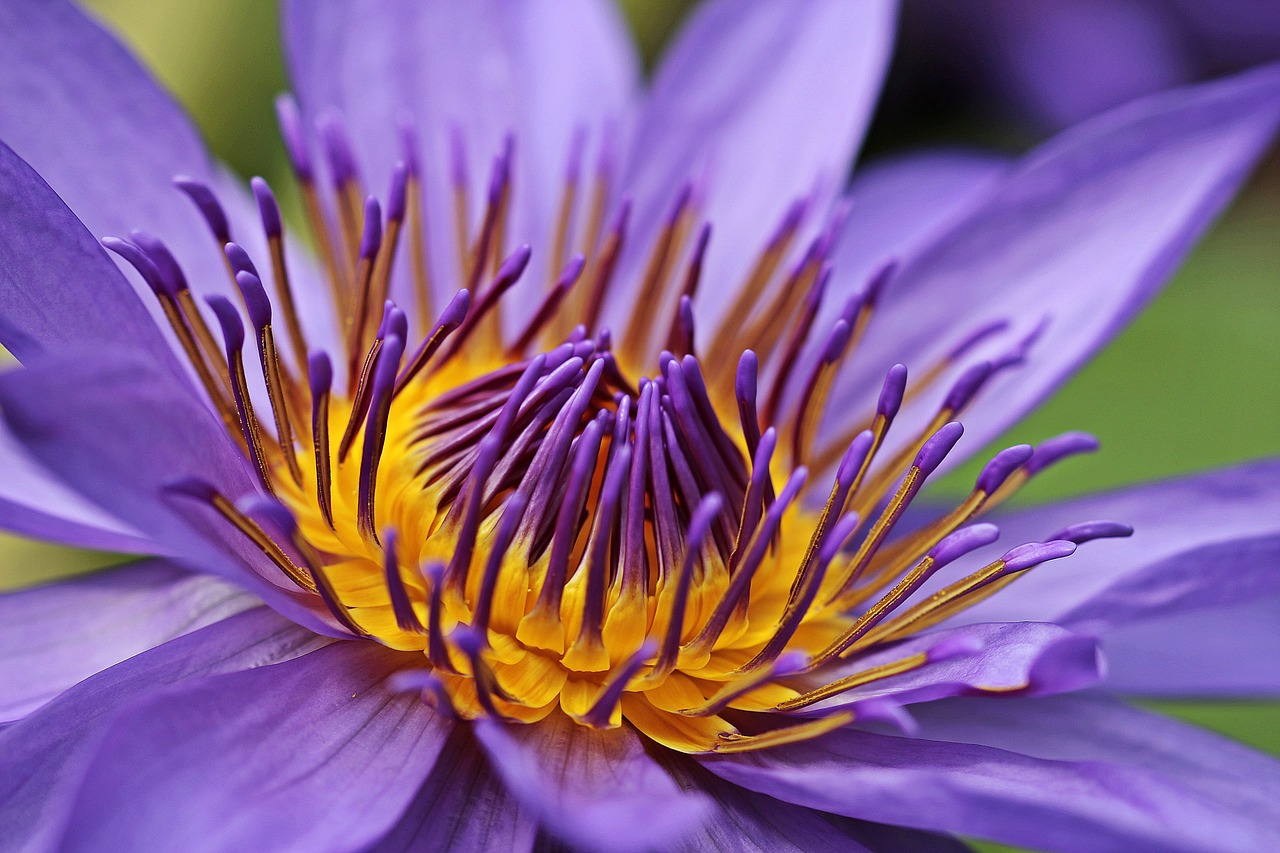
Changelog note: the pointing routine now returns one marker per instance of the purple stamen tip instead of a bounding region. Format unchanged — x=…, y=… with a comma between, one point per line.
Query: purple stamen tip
x=255, y=299
x=399, y=192
x=337, y=147
x=207, y=202
x=456, y=311
x=572, y=270
x=457, y=157
x=266, y=507
x=745, y=384
x=879, y=280
x=371, y=237
x=170, y=270
x=962, y=541
x=229, y=320
x=138, y=259
x=397, y=321
x=1059, y=447
x=937, y=447
x=1034, y=553
x=268, y=209
x=388, y=362
x=837, y=340
x=895, y=385
x=513, y=267
x=708, y=509
x=408, y=145
x=239, y=258
x=1087, y=531
x=289, y=117
x=681, y=202
x=320, y=370
x=470, y=641
x=192, y=487
x=976, y=337
x=855, y=456
x=969, y=383
x=1004, y=463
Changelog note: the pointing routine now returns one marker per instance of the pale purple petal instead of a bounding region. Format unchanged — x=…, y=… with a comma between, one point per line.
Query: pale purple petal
x=1225, y=651
x=1059, y=773
x=91, y=120
x=463, y=806
x=46, y=753
x=593, y=788
x=543, y=71
x=35, y=504
x=54, y=636
x=761, y=105
x=314, y=753
x=1199, y=542
x=747, y=822
x=1023, y=658
x=1081, y=234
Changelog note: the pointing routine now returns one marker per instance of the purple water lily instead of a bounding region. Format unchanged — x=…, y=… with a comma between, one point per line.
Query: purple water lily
x=568, y=495
x=1059, y=62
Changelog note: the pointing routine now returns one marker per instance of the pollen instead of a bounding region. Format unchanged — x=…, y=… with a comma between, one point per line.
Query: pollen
x=637, y=526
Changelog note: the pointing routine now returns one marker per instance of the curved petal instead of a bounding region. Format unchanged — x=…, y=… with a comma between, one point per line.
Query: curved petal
x=595, y=789
x=91, y=120
x=310, y=754
x=33, y=503
x=1199, y=542
x=52, y=637
x=1059, y=773
x=1221, y=652
x=541, y=70
x=463, y=806
x=1022, y=658
x=1081, y=234
x=761, y=104
x=45, y=754
x=747, y=822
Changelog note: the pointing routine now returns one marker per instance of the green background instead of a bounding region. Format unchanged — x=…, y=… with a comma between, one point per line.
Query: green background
x=1191, y=385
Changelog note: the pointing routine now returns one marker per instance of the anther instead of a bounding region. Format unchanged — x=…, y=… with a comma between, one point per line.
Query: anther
x=450, y=319
x=273, y=227
x=321, y=374
x=375, y=433
x=210, y=208
x=255, y=298
x=233, y=335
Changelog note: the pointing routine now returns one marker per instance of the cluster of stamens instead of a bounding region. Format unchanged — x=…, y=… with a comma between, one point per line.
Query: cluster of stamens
x=557, y=521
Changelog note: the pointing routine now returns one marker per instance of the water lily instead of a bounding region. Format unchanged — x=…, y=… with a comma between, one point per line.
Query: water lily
x=568, y=493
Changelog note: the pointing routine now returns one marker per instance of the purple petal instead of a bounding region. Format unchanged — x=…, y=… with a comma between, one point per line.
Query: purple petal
x=310, y=754
x=1222, y=652
x=46, y=753
x=463, y=806
x=1083, y=232
x=476, y=71
x=34, y=503
x=593, y=788
x=52, y=637
x=1023, y=658
x=747, y=822
x=1062, y=773
x=1199, y=542
x=761, y=105
x=95, y=125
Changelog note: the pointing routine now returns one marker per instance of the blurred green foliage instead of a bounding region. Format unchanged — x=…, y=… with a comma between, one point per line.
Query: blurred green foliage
x=1192, y=384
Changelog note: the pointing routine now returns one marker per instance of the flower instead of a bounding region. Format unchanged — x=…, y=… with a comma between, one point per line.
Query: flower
x=496, y=571
x=1066, y=60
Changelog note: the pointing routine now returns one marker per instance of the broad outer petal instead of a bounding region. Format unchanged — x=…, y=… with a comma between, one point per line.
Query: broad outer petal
x=314, y=753
x=761, y=105
x=91, y=120
x=1082, y=232
x=747, y=822
x=54, y=636
x=34, y=503
x=463, y=806
x=594, y=788
x=542, y=70
x=1022, y=658
x=45, y=754
x=1058, y=773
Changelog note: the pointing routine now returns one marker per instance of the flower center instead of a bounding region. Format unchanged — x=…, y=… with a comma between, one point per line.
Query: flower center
x=562, y=521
